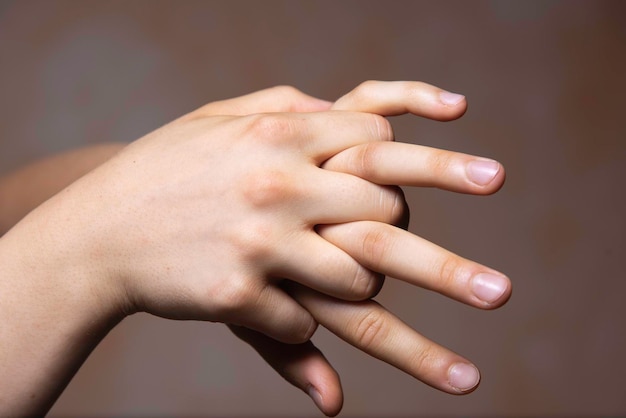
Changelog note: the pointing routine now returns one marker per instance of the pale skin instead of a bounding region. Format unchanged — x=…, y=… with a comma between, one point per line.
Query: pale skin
x=204, y=218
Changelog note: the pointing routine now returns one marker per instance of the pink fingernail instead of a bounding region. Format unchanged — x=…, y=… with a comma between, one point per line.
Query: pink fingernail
x=450, y=99
x=315, y=396
x=463, y=376
x=482, y=172
x=489, y=287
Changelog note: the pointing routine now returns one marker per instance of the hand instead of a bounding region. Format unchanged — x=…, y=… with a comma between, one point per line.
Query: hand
x=120, y=239
x=395, y=252
x=202, y=218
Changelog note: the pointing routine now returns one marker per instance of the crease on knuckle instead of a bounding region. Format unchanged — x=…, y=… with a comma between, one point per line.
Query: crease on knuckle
x=375, y=247
x=439, y=164
x=307, y=331
x=371, y=329
x=449, y=273
x=362, y=286
x=394, y=204
x=382, y=128
x=367, y=160
x=423, y=359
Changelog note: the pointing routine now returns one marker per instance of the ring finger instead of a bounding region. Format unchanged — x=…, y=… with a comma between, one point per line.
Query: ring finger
x=405, y=256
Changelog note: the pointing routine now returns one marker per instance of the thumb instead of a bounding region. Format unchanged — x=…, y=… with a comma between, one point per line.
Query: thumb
x=302, y=365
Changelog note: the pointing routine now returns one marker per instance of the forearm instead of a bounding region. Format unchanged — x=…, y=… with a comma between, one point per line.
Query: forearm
x=53, y=311
x=26, y=188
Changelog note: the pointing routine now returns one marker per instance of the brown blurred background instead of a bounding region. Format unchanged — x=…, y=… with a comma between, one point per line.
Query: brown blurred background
x=546, y=86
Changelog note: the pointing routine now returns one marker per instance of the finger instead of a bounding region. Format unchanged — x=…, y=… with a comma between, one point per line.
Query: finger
x=317, y=135
x=311, y=196
x=302, y=365
x=416, y=165
x=273, y=99
x=389, y=98
x=333, y=197
x=265, y=308
x=314, y=262
x=371, y=328
x=402, y=255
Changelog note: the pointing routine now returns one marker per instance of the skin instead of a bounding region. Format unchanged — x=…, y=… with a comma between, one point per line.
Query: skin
x=134, y=235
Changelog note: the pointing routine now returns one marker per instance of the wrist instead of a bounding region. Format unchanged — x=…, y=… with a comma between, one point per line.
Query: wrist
x=50, y=254
x=54, y=312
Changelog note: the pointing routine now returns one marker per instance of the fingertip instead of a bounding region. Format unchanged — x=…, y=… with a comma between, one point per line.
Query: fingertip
x=330, y=404
x=323, y=384
x=450, y=99
x=454, y=105
x=316, y=397
x=492, y=290
x=463, y=378
x=487, y=176
x=391, y=98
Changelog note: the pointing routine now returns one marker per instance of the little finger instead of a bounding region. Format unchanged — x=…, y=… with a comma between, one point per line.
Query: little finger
x=371, y=328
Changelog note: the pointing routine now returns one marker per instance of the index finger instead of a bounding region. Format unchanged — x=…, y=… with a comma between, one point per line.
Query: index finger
x=273, y=99
x=390, y=98
x=369, y=327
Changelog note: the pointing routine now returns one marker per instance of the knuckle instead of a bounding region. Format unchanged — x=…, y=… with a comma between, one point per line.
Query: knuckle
x=364, y=284
x=375, y=247
x=449, y=273
x=268, y=188
x=286, y=91
x=381, y=127
x=290, y=96
x=404, y=219
x=233, y=296
x=305, y=331
x=371, y=329
x=378, y=282
x=365, y=88
x=424, y=359
x=400, y=211
x=393, y=204
x=439, y=163
x=269, y=128
x=255, y=243
x=367, y=160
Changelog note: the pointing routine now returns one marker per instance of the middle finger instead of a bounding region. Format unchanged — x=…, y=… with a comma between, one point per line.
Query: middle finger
x=416, y=165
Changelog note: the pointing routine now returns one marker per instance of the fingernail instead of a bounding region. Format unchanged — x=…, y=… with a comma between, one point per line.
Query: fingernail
x=463, y=376
x=489, y=287
x=315, y=396
x=450, y=99
x=482, y=172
